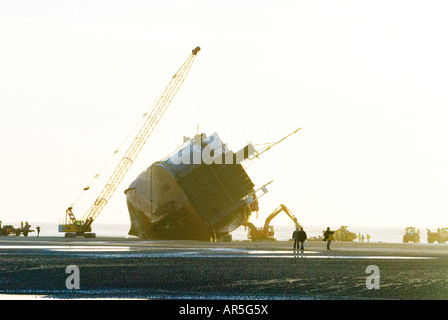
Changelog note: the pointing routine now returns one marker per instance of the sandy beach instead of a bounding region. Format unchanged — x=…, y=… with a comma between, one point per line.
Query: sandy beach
x=129, y=268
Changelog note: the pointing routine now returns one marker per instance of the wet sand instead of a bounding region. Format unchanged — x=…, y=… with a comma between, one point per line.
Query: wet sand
x=137, y=269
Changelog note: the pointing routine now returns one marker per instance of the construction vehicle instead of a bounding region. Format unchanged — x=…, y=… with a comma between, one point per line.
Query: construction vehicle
x=343, y=234
x=441, y=236
x=267, y=232
x=411, y=235
x=82, y=227
x=10, y=230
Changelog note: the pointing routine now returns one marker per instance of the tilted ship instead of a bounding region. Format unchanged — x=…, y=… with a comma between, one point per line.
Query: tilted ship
x=199, y=192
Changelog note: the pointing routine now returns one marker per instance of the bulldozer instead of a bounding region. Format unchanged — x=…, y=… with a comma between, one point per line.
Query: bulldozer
x=411, y=235
x=343, y=234
x=441, y=236
x=267, y=232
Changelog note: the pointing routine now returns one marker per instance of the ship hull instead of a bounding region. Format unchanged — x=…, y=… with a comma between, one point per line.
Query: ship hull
x=178, y=201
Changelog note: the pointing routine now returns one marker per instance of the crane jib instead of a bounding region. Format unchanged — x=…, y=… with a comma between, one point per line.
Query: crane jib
x=145, y=131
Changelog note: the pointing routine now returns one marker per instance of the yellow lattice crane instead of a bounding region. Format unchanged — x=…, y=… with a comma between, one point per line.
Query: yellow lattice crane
x=74, y=227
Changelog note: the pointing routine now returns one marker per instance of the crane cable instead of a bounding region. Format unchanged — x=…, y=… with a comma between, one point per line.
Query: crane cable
x=141, y=138
x=197, y=128
x=116, y=151
x=97, y=175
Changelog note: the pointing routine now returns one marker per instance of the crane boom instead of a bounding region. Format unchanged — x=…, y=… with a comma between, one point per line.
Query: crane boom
x=137, y=144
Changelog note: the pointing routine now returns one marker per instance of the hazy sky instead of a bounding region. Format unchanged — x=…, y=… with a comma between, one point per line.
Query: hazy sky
x=366, y=80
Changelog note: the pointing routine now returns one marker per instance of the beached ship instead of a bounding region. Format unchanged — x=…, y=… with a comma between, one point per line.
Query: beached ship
x=199, y=192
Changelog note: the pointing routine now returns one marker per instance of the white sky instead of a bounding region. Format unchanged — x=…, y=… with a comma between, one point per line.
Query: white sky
x=366, y=80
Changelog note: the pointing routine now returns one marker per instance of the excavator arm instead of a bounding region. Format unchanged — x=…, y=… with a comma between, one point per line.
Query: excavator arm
x=280, y=208
x=266, y=233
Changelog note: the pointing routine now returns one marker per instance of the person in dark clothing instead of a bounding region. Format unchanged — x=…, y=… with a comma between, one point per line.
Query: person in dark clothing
x=295, y=237
x=302, y=238
x=328, y=236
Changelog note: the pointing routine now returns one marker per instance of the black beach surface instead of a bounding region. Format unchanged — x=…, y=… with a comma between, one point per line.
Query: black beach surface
x=120, y=268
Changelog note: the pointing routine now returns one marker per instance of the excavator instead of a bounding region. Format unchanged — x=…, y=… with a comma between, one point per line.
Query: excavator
x=82, y=227
x=267, y=232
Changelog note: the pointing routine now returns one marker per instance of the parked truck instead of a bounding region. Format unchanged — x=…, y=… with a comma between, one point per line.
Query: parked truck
x=412, y=234
x=441, y=236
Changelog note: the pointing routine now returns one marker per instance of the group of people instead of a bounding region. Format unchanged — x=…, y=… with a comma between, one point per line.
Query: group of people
x=27, y=225
x=299, y=236
x=361, y=237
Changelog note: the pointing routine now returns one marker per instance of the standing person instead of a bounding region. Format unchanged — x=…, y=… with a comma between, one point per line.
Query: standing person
x=295, y=237
x=368, y=237
x=38, y=230
x=328, y=236
x=302, y=237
